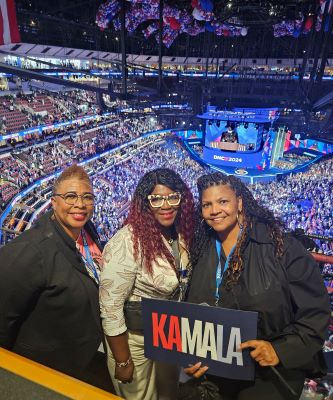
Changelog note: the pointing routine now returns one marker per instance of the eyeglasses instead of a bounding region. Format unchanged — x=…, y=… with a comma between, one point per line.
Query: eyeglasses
x=71, y=198
x=156, y=200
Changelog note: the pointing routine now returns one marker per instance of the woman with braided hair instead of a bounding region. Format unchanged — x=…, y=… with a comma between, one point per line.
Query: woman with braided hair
x=260, y=268
x=149, y=258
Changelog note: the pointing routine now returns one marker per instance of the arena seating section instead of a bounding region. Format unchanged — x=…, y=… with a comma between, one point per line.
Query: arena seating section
x=35, y=158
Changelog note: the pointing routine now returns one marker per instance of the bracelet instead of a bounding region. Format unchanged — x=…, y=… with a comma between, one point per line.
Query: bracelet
x=124, y=363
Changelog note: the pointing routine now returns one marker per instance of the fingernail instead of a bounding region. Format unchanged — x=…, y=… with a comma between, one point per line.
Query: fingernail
x=199, y=364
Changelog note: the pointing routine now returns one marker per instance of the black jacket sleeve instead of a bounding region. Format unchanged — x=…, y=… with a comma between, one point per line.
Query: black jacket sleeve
x=309, y=306
x=21, y=280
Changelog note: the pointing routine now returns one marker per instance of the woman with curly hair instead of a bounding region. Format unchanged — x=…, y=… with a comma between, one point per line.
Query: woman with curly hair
x=149, y=258
x=243, y=260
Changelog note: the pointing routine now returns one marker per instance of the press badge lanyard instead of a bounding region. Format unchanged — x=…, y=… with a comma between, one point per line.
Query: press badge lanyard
x=89, y=262
x=219, y=272
x=219, y=277
x=181, y=270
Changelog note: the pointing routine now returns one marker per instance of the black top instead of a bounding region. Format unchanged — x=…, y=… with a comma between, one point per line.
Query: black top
x=288, y=293
x=49, y=309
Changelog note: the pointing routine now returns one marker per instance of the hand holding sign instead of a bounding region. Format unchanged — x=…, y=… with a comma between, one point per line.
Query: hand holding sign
x=263, y=352
x=196, y=370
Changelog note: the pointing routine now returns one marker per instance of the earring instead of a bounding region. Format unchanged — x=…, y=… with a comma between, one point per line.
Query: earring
x=238, y=221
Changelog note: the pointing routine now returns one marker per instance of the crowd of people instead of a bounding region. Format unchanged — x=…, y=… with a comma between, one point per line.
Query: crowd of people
x=27, y=164
x=39, y=107
x=71, y=104
x=290, y=161
x=49, y=132
x=110, y=209
x=303, y=200
x=163, y=252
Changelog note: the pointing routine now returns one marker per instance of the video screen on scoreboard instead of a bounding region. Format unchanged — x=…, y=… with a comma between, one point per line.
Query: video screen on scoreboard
x=233, y=136
x=189, y=134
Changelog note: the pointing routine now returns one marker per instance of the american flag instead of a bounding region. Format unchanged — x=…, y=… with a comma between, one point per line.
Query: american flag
x=9, y=32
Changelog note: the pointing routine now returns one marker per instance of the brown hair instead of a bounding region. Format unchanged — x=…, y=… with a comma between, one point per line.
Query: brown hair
x=74, y=171
x=146, y=232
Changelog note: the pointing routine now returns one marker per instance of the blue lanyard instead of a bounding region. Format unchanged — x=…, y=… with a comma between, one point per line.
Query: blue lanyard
x=88, y=260
x=219, y=273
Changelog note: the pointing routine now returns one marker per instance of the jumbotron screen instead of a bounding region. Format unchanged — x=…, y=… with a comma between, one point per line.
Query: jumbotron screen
x=220, y=134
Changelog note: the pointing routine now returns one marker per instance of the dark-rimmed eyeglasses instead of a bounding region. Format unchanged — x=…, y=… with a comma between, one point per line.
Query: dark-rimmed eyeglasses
x=156, y=200
x=71, y=198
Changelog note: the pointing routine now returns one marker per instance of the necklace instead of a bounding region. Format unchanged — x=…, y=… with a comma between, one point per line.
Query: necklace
x=170, y=241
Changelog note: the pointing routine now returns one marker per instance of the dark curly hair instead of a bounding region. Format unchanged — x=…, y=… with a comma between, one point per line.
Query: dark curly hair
x=251, y=211
x=146, y=232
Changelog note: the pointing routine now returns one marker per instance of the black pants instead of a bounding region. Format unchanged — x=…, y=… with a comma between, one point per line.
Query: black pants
x=266, y=386
x=97, y=373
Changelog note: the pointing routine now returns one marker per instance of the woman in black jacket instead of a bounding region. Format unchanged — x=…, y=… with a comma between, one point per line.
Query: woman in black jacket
x=259, y=269
x=49, y=278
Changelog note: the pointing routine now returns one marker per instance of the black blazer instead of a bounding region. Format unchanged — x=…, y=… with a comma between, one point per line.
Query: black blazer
x=49, y=308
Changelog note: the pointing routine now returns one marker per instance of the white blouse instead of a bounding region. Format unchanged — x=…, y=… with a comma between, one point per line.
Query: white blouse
x=124, y=279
